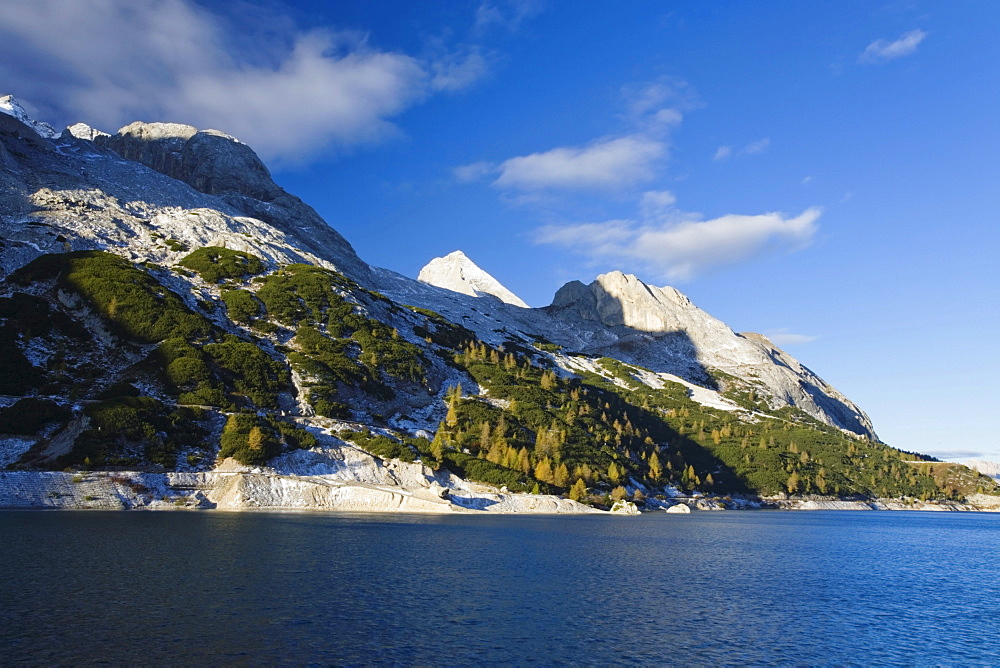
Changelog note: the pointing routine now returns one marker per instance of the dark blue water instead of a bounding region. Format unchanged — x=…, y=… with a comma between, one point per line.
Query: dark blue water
x=705, y=589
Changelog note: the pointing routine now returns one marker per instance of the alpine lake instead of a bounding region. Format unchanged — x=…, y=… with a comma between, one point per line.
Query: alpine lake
x=754, y=587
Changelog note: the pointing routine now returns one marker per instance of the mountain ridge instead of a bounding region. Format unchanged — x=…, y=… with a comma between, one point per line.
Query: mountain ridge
x=160, y=274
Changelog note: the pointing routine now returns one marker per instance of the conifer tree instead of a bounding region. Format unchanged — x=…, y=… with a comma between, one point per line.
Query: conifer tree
x=578, y=491
x=793, y=483
x=655, y=470
x=561, y=475
x=438, y=444
x=524, y=460
x=484, y=436
x=543, y=470
x=452, y=418
x=255, y=439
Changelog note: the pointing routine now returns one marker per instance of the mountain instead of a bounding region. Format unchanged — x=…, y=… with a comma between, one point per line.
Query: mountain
x=458, y=273
x=620, y=316
x=177, y=329
x=10, y=106
x=987, y=468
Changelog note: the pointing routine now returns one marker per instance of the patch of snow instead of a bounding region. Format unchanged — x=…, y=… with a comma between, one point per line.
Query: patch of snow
x=10, y=106
x=702, y=395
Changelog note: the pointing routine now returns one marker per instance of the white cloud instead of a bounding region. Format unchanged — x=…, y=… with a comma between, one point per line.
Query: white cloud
x=723, y=153
x=677, y=245
x=758, y=146
x=458, y=70
x=606, y=163
x=652, y=111
x=657, y=205
x=506, y=14
x=286, y=92
x=475, y=171
x=782, y=337
x=883, y=50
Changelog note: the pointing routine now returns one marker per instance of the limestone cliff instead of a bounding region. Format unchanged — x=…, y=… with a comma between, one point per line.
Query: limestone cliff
x=660, y=328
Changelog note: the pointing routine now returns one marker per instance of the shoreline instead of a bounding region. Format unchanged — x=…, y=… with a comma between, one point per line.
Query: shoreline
x=256, y=490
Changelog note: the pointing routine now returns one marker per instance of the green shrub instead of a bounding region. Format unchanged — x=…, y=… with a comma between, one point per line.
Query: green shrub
x=241, y=305
x=249, y=371
x=214, y=263
x=302, y=292
x=29, y=415
x=380, y=446
x=485, y=471
x=128, y=299
x=249, y=440
x=252, y=440
x=132, y=431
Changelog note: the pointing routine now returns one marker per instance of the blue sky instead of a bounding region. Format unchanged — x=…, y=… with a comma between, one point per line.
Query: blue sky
x=824, y=173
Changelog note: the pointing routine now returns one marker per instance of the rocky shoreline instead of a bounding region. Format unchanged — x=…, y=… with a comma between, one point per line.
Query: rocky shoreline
x=241, y=490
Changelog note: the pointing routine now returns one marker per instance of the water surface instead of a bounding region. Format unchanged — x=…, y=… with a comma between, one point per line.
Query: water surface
x=706, y=588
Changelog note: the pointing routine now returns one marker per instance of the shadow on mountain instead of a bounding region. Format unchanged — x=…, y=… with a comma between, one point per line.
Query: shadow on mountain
x=681, y=451
x=844, y=416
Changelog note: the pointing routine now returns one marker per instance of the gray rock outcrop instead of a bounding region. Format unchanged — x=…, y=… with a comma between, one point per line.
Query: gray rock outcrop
x=217, y=164
x=661, y=329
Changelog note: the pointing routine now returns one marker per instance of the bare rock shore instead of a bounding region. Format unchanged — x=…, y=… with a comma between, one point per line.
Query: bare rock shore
x=257, y=490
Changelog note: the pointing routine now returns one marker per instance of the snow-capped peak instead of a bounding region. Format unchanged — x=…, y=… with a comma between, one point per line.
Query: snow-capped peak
x=458, y=273
x=10, y=106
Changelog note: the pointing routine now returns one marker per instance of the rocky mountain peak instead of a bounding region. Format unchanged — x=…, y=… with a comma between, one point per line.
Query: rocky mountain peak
x=681, y=338
x=218, y=164
x=12, y=107
x=619, y=299
x=456, y=272
x=209, y=161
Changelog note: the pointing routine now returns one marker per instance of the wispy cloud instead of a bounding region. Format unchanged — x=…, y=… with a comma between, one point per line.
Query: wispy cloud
x=783, y=337
x=476, y=171
x=657, y=107
x=612, y=162
x=606, y=163
x=758, y=146
x=458, y=69
x=679, y=246
x=287, y=92
x=883, y=50
x=956, y=455
x=506, y=14
x=724, y=153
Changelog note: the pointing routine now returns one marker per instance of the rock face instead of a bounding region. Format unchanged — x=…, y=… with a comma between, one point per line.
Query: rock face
x=74, y=191
x=992, y=469
x=10, y=106
x=217, y=164
x=661, y=329
x=458, y=273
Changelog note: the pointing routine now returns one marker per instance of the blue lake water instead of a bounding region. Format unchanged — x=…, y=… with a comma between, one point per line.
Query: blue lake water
x=706, y=589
